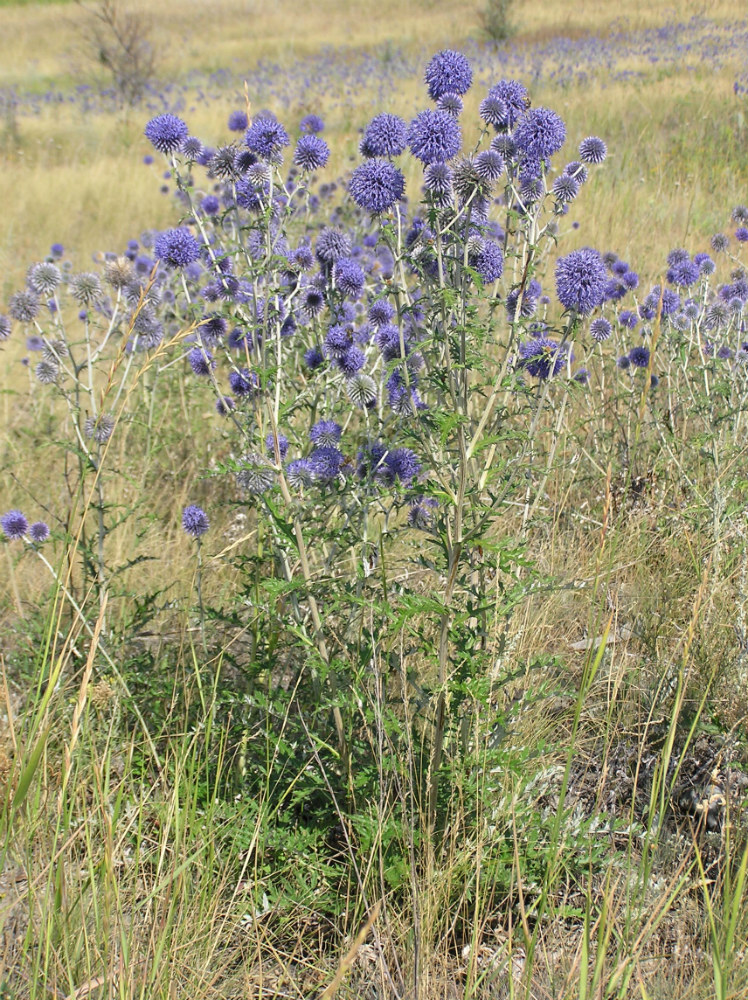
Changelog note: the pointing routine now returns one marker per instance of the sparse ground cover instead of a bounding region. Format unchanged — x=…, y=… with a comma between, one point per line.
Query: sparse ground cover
x=397, y=571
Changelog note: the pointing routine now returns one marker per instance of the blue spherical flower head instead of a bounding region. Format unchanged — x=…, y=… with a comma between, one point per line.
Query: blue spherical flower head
x=243, y=383
x=720, y=243
x=14, y=524
x=421, y=512
x=580, y=280
x=515, y=98
x=314, y=358
x=238, y=121
x=5, y=327
x=195, y=520
x=299, y=473
x=384, y=136
x=266, y=137
x=376, y=185
x=489, y=262
x=177, y=247
x=494, y=111
x=332, y=245
x=325, y=464
x=438, y=183
x=349, y=277
x=39, y=532
x=489, y=165
x=684, y=273
x=600, y=329
x=434, y=137
x=311, y=153
x=210, y=205
x=592, y=150
x=325, y=433
x=282, y=445
x=639, y=356
x=351, y=362
x=542, y=358
x=741, y=234
x=381, y=312
x=565, y=189
x=166, y=133
x=448, y=72
x=451, y=103
x=311, y=124
x=540, y=134
x=402, y=464
x=201, y=361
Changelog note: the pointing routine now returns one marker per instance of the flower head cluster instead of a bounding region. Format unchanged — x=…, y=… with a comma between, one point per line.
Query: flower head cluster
x=385, y=135
x=448, y=72
x=166, y=132
x=195, y=521
x=434, y=137
x=580, y=280
x=177, y=247
x=376, y=185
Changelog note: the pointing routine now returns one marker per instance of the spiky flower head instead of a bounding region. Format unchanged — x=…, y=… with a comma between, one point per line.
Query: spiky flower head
x=384, y=136
x=255, y=474
x=580, y=280
x=5, y=328
x=515, y=98
x=600, y=329
x=47, y=372
x=592, y=150
x=238, y=121
x=99, y=428
x=376, y=185
x=119, y=272
x=325, y=433
x=195, y=521
x=639, y=356
x=565, y=189
x=451, y=103
x=85, y=288
x=448, y=72
x=24, y=306
x=493, y=111
x=311, y=153
x=540, y=134
x=177, y=247
x=489, y=261
x=421, y=512
x=39, y=532
x=325, y=464
x=489, y=165
x=44, y=278
x=542, y=357
x=720, y=243
x=166, y=132
x=434, y=136
x=312, y=124
x=349, y=277
x=266, y=137
x=739, y=214
x=14, y=524
x=299, y=473
x=243, y=383
x=192, y=148
x=201, y=361
x=331, y=245
x=437, y=182
x=361, y=389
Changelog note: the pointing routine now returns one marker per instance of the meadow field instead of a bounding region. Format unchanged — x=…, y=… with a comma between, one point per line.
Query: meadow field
x=374, y=495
